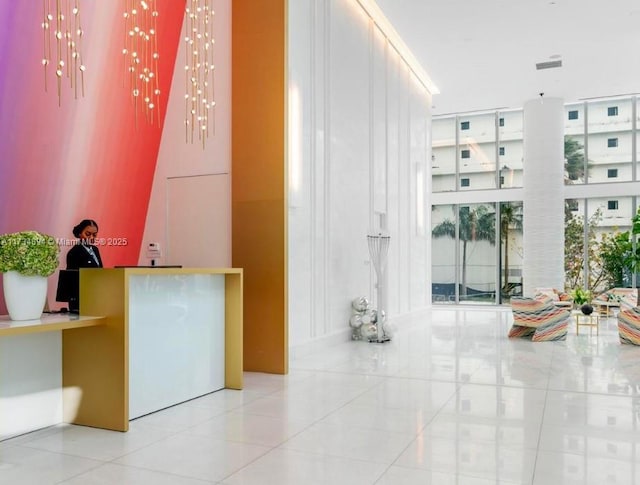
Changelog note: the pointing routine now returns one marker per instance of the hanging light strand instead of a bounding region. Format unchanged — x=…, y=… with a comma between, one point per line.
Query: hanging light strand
x=141, y=57
x=199, y=71
x=63, y=24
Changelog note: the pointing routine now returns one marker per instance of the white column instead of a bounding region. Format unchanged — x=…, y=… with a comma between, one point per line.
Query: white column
x=543, y=194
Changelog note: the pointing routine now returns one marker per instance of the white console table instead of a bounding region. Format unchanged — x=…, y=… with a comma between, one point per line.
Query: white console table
x=31, y=372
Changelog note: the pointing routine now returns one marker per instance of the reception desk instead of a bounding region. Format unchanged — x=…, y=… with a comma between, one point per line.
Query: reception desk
x=159, y=336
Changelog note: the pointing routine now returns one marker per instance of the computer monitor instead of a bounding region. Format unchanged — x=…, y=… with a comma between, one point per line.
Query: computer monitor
x=69, y=289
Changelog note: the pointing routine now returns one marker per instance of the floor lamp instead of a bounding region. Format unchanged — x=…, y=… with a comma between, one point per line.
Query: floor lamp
x=378, y=248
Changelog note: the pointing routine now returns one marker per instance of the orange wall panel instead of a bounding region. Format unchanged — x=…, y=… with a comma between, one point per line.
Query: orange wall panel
x=258, y=178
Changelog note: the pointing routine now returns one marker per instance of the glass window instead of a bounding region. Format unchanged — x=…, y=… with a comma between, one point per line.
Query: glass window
x=480, y=141
x=637, y=154
x=612, y=111
x=510, y=136
x=574, y=159
x=604, y=133
x=572, y=204
x=511, y=250
x=501, y=121
x=573, y=244
x=465, y=125
x=465, y=154
x=475, y=228
x=612, y=173
x=477, y=253
x=574, y=145
x=575, y=114
x=464, y=182
x=443, y=155
x=443, y=260
x=501, y=151
x=607, y=249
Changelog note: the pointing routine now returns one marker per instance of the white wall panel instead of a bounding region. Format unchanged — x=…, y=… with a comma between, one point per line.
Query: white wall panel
x=365, y=126
x=378, y=89
x=419, y=140
x=348, y=159
x=394, y=86
x=301, y=203
x=404, y=191
x=198, y=231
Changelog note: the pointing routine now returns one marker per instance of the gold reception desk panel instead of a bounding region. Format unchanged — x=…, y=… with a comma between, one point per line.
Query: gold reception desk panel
x=96, y=359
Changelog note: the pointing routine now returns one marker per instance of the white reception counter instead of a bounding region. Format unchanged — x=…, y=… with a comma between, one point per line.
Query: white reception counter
x=163, y=336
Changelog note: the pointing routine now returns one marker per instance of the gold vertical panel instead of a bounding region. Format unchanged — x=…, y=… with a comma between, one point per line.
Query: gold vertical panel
x=95, y=360
x=258, y=178
x=95, y=367
x=233, y=331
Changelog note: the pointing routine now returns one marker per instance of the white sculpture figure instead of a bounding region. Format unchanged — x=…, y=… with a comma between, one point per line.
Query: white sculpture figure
x=363, y=319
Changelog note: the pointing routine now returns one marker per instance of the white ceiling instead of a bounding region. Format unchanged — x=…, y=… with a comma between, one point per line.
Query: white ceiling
x=482, y=53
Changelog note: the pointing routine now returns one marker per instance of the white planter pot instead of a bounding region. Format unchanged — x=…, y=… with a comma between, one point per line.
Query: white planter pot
x=24, y=295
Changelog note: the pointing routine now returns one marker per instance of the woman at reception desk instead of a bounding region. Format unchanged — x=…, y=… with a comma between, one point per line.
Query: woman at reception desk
x=85, y=254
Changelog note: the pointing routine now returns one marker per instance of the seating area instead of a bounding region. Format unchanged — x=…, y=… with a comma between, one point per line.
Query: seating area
x=623, y=298
x=558, y=297
x=539, y=319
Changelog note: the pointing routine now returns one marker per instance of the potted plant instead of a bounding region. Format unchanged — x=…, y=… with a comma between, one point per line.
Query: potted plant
x=582, y=299
x=26, y=259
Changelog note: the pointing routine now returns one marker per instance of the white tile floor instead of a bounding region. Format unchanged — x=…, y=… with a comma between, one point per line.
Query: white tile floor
x=450, y=400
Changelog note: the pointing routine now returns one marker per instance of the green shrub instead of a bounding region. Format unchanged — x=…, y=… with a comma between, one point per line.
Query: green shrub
x=29, y=253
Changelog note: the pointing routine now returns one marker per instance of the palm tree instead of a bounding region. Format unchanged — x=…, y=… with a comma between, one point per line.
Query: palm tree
x=510, y=218
x=477, y=224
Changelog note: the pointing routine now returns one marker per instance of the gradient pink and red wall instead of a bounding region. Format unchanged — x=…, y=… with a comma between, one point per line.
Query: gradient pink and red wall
x=85, y=158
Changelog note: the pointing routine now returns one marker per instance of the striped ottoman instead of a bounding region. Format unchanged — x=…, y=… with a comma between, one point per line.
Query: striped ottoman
x=629, y=326
x=538, y=319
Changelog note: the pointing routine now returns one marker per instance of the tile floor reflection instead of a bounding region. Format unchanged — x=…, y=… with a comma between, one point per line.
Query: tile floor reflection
x=450, y=400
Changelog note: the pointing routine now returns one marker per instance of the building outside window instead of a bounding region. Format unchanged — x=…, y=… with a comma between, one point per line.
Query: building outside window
x=595, y=127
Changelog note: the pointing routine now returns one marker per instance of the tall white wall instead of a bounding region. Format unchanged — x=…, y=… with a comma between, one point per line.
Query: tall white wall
x=359, y=142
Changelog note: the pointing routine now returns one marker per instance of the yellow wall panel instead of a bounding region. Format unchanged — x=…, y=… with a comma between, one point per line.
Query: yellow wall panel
x=258, y=178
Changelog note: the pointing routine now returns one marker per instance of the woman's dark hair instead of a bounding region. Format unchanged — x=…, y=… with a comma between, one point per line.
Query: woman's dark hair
x=77, y=230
